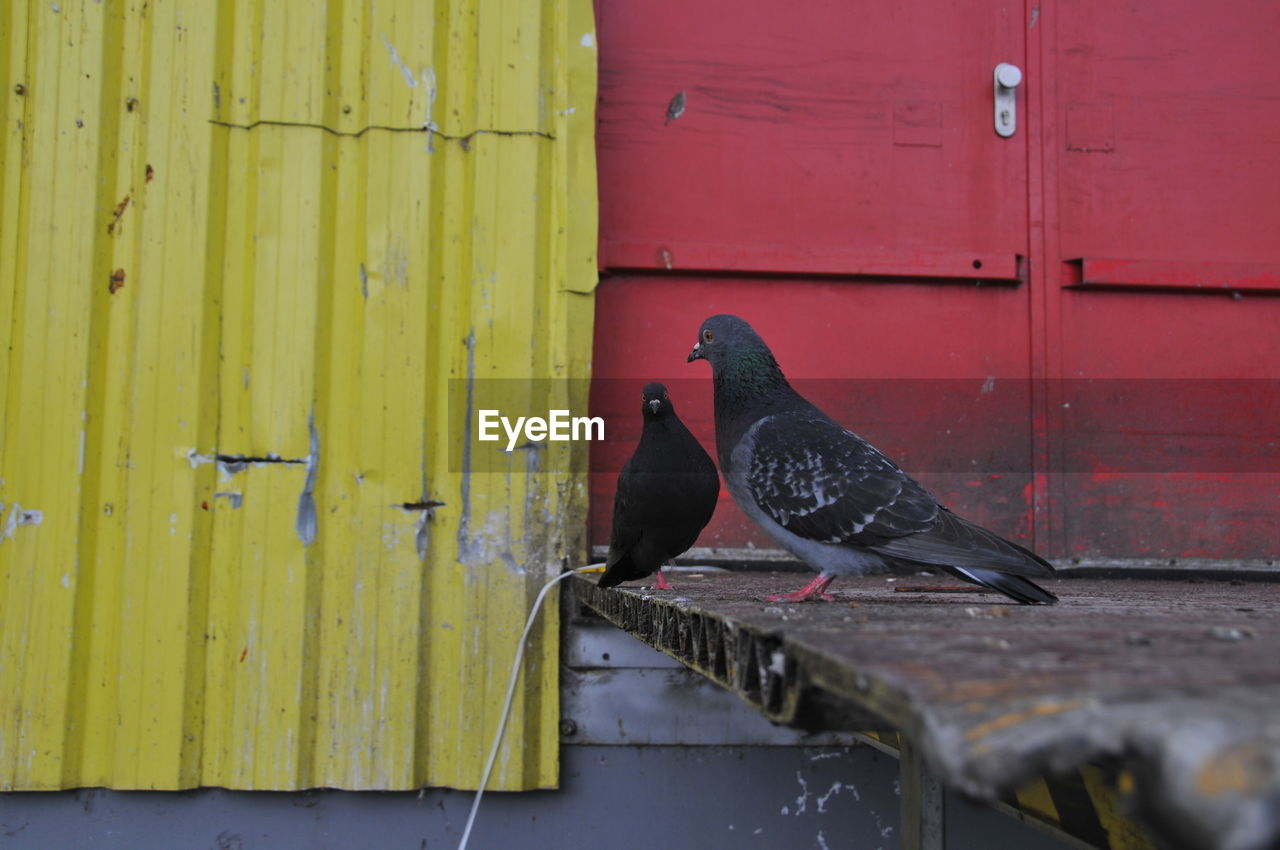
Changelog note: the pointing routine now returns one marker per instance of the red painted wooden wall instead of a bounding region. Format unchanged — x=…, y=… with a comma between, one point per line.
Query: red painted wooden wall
x=1071, y=334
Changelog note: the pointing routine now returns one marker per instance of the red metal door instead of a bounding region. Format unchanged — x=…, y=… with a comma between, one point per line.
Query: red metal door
x=1163, y=207
x=811, y=138
x=832, y=174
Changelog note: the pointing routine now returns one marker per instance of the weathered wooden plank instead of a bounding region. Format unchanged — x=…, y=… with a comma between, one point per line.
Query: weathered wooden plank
x=1173, y=681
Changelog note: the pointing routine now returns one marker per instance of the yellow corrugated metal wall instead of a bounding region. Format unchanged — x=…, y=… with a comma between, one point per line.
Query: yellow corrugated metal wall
x=277, y=229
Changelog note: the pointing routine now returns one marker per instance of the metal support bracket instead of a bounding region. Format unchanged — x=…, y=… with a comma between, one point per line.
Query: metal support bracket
x=922, y=801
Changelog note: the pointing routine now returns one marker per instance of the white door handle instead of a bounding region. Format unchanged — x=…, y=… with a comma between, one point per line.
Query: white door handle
x=1007, y=77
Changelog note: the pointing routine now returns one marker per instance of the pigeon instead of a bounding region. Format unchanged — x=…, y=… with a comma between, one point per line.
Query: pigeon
x=829, y=497
x=666, y=495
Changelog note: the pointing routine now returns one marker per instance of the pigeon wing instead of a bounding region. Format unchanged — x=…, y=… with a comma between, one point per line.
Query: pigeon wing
x=955, y=542
x=824, y=483
x=627, y=525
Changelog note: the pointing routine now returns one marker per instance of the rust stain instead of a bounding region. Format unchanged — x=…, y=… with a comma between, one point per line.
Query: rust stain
x=244, y=654
x=117, y=281
x=1013, y=718
x=119, y=213
x=151, y=173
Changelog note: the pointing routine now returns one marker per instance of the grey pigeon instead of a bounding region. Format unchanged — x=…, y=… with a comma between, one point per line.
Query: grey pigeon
x=666, y=495
x=829, y=497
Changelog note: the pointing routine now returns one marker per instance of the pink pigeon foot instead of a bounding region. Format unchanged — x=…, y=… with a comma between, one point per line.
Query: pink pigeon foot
x=813, y=590
x=662, y=582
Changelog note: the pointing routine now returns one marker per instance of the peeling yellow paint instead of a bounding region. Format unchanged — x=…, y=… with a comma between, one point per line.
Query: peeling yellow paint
x=1034, y=797
x=1242, y=769
x=240, y=261
x=1013, y=718
x=1122, y=833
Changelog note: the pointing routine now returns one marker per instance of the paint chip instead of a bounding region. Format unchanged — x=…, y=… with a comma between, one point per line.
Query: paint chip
x=307, y=522
x=675, y=108
x=429, y=80
x=195, y=458
x=802, y=800
x=18, y=517
x=422, y=536
x=405, y=72
x=836, y=788
x=588, y=40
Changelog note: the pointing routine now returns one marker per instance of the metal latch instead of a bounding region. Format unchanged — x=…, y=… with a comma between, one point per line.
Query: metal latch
x=1007, y=78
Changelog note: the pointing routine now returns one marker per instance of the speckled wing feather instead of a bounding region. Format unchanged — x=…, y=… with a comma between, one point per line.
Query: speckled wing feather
x=824, y=483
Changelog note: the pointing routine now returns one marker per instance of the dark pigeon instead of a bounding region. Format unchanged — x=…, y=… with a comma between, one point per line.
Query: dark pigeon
x=829, y=497
x=666, y=495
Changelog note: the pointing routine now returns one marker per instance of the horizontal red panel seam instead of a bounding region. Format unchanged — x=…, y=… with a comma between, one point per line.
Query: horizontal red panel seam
x=1175, y=274
x=787, y=259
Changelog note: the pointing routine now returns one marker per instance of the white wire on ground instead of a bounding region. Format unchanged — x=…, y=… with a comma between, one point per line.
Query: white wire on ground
x=511, y=693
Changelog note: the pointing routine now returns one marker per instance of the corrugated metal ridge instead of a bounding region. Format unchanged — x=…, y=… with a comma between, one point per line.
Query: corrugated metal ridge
x=244, y=249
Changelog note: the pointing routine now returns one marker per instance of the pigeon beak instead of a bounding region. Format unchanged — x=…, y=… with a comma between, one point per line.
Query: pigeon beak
x=654, y=404
x=696, y=354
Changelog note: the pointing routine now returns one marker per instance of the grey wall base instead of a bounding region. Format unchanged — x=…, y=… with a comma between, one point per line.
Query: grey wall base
x=611, y=797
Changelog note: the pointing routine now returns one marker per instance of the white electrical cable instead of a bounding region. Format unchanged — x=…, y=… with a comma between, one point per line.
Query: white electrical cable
x=511, y=693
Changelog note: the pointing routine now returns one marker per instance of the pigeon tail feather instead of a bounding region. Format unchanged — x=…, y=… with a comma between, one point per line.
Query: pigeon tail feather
x=619, y=571
x=956, y=542
x=1021, y=590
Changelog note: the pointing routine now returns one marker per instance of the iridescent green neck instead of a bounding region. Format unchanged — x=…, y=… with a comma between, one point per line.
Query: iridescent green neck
x=754, y=368
x=748, y=380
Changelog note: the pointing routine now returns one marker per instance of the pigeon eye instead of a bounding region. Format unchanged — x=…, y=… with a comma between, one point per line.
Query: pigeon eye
x=707, y=336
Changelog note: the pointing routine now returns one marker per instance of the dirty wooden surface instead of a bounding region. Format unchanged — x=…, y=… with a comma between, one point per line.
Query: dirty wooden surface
x=1175, y=682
